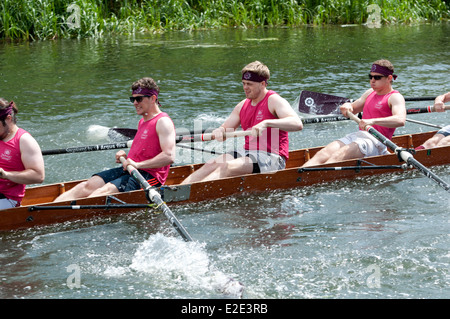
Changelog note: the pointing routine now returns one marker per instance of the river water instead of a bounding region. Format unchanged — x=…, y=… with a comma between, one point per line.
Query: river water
x=378, y=237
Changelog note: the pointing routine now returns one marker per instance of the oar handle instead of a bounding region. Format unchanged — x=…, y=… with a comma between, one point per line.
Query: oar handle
x=210, y=136
x=353, y=117
x=155, y=197
x=425, y=109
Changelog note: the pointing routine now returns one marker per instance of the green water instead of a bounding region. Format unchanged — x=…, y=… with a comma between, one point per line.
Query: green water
x=320, y=242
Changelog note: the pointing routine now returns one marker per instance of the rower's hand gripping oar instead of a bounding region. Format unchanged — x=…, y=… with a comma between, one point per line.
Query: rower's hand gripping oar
x=153, y=196
x=402, y=153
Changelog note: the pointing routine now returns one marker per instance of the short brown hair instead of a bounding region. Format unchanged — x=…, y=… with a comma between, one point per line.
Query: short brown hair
x=148, y=83
x=259, y=68
x=4, y=104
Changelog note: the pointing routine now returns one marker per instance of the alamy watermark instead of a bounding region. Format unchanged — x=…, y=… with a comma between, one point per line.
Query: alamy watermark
x=374, y=279
x=74, y=279
x=374, y=18
x=74, y=20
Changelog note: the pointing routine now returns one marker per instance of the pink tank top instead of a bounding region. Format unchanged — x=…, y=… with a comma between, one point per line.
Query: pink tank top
x=11, y=160
x=146, y=145
x=378, y=106
x=273, y=140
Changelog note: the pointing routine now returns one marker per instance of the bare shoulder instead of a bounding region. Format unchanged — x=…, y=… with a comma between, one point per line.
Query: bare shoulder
x=397, y=98
x=165, y=125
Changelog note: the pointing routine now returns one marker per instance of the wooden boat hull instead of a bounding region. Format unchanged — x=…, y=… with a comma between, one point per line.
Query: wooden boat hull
x=28, y=215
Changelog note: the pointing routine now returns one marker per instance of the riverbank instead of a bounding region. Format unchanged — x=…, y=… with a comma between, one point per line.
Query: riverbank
x=37, y=19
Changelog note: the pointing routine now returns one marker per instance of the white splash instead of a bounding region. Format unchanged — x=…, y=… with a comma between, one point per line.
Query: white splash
x=97, y=132
x=169, y=259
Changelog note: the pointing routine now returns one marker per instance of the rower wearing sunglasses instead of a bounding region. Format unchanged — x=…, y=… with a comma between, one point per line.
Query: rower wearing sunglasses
x=152, y=151
x=383, y=108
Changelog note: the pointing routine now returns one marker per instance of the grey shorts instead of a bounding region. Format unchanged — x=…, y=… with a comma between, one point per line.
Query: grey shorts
x=263, y=162
x=368, y=144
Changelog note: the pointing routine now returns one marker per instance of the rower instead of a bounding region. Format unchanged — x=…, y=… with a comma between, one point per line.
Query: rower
x=21, y=160
x=152, y=151
x=384, y=109
x=269, y=117
x=442, y=137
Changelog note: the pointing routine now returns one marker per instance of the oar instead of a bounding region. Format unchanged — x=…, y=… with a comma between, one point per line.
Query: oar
x=231, y=287
x=192, y=137
x=154, y=197
x=402, y=154
x=426, y=109
x=89, y=148
x=111, y=146
x=130, y=133
x=209, y=136
x=90, y=207
x=424, y=123
x=324, y=104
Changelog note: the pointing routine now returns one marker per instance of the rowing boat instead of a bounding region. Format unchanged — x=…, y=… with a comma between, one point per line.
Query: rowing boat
x=38, y=209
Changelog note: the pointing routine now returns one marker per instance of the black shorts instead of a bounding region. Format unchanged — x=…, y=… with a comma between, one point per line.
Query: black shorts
x=124, y=181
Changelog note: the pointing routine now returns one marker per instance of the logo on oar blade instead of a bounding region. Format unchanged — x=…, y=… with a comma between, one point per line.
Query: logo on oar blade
x=309, y=101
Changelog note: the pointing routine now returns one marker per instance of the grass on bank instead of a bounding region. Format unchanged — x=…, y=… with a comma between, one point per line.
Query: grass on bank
x=41, y=19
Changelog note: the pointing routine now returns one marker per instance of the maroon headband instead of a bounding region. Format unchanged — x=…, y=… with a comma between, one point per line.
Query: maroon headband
x=145, y=91
x=6, y=111
x=383, y=70
x=252, y=76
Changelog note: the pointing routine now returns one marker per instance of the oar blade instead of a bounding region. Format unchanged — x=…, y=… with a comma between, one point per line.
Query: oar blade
x=117, y=133
x=319, y=103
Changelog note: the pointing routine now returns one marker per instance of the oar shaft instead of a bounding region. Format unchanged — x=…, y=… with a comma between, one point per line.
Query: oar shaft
x=79, y=207
x=209, y=136
x=118, y=145
x=425, y=109
x=89, y=148
x=420, y=98
x=154, y=196
x=424, y=123
x=406, y=156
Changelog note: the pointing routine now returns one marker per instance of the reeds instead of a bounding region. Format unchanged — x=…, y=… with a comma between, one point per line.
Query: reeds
x=43, y=19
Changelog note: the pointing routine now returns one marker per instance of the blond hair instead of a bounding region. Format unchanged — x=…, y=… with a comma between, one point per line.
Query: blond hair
x=258, y=68
x=385, y=63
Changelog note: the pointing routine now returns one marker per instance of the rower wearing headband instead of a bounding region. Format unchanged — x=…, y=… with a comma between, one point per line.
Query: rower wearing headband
x=269, y=117
x=21, y=160
x=383, y=108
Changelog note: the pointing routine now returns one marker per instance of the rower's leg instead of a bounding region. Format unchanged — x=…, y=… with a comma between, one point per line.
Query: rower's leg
x=207, y=168
x=324, y=154
x=434, y=141
x=83, y=189
x=234, y=167
x=106, y=189
x=346, y=152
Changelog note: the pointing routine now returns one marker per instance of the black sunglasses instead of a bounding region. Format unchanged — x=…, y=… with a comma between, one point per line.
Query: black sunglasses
x=376, y=77
x=138, y=98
